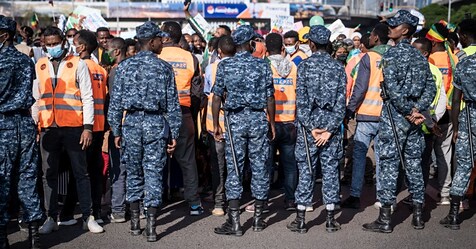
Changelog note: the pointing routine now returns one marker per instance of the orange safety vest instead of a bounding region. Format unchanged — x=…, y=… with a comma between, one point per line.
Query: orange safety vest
x=61, y=104
x=209, y=121
x=182, y=63
x=98, y=83
x=285, y=95
x=441, y=60
x=300, y=54
x=372, y=104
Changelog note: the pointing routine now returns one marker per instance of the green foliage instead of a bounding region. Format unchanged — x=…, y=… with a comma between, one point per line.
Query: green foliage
x=460, y=14
x=435, y=12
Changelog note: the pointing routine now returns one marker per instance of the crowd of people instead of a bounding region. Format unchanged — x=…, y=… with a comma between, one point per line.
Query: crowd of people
x=106, y=114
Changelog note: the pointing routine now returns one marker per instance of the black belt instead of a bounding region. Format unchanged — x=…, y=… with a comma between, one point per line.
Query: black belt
x=185, y=109
x=15, y=113
x=241, y=109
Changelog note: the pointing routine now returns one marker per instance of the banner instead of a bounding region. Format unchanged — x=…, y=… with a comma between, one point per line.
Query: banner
x=225, y=10
x=86, y=18
x=282, y=24
x=245, y=11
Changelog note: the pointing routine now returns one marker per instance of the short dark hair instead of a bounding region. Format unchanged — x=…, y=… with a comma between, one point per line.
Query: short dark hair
x=381, y=30
x=53, y=31
x=468, y=27
x=102, y=29
x=71, y=29
x=213, y=43
x=422, y=33
x=365, y=40
x=425, y=44
x=274, y=43
x=292, y=34
x=174, y=30
x=88, y=38
x=453, y=37
x=226, y=45
x=226, y=28
x=119, y=43
x=28, y=31
x=411, y=29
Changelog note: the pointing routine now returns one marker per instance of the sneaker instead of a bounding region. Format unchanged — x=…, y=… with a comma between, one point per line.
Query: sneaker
x=444, y=201
x=91, y=225
x=67, y=222
x=290, y=206
x=352, y=202
x=309, y=208
x=464, y=205
x=251, y=208
x=49, y=226
x=117, y=218
x=196, y=210
x=218, y=212
x=408, y=200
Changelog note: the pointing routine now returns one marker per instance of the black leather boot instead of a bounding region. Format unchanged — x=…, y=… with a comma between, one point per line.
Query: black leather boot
x=150, y=232
x=331, y=223
x=417, y=220
x=232, y=225
x=299, y=224
x=135, y=219
x=3, y=238
x=382, y=223
x=33, y=235
x=258, y=221
x=451, y=220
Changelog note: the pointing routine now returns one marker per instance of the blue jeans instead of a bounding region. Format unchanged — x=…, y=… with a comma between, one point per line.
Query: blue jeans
x=365, y=132
x=117, y=174
x=285, y=142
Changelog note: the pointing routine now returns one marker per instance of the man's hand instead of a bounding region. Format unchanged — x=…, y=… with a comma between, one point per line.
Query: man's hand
x=117, y=142
x=436, y=130
x=171, y=147
x=186, y=6
x=416, y=117
x=323, y=138
x=273, y=132
x=86, y=139
x=218, y=134
x=316, y=133
x=455, y=135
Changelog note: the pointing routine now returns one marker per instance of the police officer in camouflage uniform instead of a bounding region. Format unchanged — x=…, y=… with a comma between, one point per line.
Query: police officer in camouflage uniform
x=144, y=89
x=248, y=85
x=410, y=90
x=465, y=82
x=320, y=104
x=18, y=148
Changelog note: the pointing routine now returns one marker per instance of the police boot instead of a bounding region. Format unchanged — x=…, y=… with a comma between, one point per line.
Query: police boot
x=150, y=232
x=382, y=223
x=3, y=238
x=258, y=221
x=33, y=235
x=417, y=220
x=299, y=224
x=331, y=223
x=232, y=225
x=451, y=220
x=135, y=219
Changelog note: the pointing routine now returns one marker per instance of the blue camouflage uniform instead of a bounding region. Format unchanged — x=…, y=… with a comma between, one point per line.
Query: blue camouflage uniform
x=409, y=84
x=320, y=104
x=465, y=80
x=18, y=147
x=144, y=88
x=247, y=82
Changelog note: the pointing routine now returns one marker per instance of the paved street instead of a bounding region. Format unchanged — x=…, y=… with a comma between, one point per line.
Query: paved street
x=178, y=230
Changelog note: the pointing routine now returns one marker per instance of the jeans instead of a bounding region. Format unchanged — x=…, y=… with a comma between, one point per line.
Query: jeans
x=218, y=168
x=117, y=174
x=365, y=132
x=285, y=142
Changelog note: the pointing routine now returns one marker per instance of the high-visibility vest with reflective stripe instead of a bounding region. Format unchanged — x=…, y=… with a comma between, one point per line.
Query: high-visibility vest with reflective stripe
x=441, y=60
x=285, y=95
x=182, y=63
x=372, y=104
x=62, y=104
x=438, y=78
x=300, y=54
x=98, y=83
x=209, y=121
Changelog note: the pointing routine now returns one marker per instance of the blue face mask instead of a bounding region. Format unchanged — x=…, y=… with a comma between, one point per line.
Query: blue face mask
x=55, y=51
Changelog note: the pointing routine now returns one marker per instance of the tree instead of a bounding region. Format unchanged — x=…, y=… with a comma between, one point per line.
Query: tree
x=434, y=13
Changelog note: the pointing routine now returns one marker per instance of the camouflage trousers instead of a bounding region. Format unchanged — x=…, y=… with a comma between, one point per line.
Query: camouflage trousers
x=328, y=156
x=144, y=156
x=463, y=157
x=249, y=131
x=412, y=143
x=19, y=166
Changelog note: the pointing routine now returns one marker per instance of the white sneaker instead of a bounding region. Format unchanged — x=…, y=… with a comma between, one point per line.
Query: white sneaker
x=67, y=223
x=49, y=226
x=91, y=225
x=309, y=208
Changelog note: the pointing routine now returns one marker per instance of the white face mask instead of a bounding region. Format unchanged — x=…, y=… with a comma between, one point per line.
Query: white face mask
x=70, y=41
x=290, y=49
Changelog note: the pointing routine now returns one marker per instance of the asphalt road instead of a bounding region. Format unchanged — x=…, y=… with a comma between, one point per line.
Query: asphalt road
x=179, y=230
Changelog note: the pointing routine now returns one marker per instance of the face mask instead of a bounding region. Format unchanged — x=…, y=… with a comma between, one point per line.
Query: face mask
x=3, y=42
x=74, y=50
x=342, y=58
x=70, y=41
x=55, y=51
x=290, y=49
x=110, y=56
